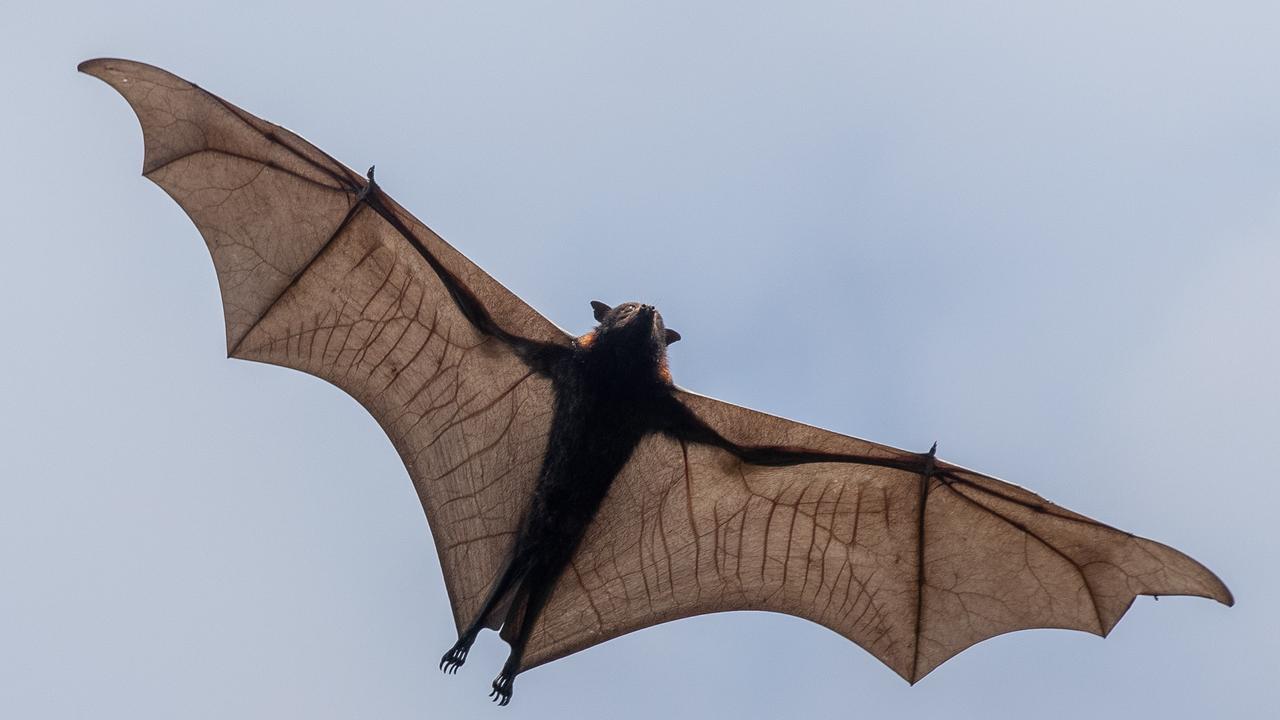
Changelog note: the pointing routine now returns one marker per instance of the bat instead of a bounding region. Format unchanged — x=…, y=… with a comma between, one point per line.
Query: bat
x=573, y=491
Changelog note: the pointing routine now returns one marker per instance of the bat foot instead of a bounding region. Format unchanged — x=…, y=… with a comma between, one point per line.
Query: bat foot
x=456, y=656
x=502, y=686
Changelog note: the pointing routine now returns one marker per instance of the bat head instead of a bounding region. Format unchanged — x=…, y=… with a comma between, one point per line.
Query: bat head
x=640, y=323
x=632, y=332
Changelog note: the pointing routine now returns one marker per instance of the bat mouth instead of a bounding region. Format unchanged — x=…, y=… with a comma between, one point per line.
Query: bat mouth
x=638, y=316
x=647, y=317
x=640, y=322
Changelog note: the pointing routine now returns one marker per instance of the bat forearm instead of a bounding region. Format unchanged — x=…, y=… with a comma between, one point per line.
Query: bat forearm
x=777, y=456
x=537, y=355
x=687, y=426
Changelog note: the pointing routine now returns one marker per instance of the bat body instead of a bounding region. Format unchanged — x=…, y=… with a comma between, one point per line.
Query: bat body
x=610, y=390
x=576, y=494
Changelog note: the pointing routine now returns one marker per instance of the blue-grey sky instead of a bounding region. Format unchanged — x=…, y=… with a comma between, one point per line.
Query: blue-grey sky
x=1046, y=237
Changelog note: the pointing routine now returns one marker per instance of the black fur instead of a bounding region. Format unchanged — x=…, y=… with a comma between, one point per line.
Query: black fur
x=611, y=389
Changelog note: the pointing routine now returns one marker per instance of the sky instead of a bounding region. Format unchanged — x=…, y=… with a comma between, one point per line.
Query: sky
x=1046, y=237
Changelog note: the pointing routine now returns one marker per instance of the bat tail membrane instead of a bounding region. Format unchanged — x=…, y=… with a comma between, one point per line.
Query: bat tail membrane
x=498, y=614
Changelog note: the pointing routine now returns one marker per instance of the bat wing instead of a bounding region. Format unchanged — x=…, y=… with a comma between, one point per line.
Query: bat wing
x=323, y=273
x=913, y=568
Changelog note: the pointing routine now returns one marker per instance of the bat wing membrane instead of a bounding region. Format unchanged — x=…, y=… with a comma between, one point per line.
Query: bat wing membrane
x=913, y=570
x=314, y=279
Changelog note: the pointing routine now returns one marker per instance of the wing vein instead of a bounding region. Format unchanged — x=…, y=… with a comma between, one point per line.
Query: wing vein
x=280, y=140
x=265, y=163
x=346, y=221
x=1028, y=531
x=920, y=575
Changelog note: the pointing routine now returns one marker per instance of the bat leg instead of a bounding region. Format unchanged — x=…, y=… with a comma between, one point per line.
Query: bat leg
x=457, y=655
x=537, y=589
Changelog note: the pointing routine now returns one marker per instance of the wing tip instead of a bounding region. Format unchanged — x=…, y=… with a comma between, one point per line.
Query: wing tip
x=1221, y=593
x=1216, y=589
x=1211, y=587
x=119, y=72
x=100, y=67
x=1222, y=597
x=93, y=66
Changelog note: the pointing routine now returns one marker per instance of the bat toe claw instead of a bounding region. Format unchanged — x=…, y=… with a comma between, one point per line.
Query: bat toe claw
x=502, y=687
x=454, y=659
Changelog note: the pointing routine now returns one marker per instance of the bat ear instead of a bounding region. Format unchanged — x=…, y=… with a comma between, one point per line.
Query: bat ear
x=672, y=336
x=600, y=309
